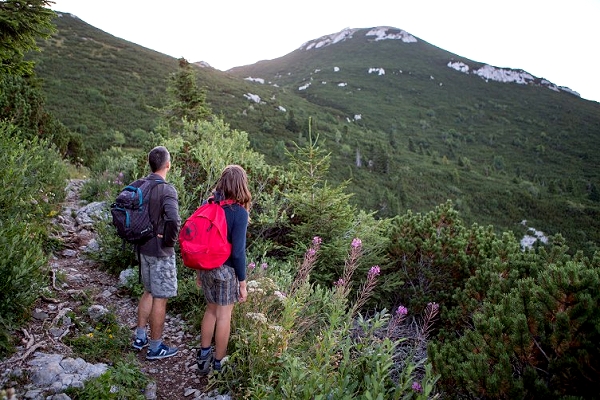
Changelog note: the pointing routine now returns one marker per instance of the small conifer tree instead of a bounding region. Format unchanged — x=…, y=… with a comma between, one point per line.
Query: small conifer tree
x=185, y=99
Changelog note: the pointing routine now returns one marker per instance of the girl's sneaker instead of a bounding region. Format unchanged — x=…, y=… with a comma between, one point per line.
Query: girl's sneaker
x=204, y=363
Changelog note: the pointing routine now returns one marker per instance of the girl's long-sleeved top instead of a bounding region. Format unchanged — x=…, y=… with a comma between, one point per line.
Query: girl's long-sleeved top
x=237, y=225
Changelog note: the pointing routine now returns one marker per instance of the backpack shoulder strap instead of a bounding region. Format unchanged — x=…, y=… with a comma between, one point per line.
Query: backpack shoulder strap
x=153, y=184
x=226, y=202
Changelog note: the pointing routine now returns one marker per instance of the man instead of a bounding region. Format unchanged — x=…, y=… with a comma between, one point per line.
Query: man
x=157, y=258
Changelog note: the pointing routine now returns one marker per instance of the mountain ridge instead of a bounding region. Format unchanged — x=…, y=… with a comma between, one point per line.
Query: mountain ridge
x=486, y=72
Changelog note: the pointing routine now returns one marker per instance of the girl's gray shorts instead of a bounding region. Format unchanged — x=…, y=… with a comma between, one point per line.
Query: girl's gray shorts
x=220, y=285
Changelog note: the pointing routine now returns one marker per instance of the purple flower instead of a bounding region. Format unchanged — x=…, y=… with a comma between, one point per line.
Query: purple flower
x=401, y=311
x=374, y=271
x=356, y=242
x=264, y=265
x=311, y=252
x=119, y=180
x=416, y=386
x=339, y=282
x=251, y=265
x=316, y=241
x=434, y=306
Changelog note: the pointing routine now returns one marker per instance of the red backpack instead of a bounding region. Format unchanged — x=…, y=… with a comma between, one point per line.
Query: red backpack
x=203, y=236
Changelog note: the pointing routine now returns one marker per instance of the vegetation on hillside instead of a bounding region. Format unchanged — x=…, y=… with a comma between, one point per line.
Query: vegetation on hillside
x=474, y=315
x=502, y=152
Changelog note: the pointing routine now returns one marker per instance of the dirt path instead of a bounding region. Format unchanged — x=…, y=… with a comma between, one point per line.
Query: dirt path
x=175, y=377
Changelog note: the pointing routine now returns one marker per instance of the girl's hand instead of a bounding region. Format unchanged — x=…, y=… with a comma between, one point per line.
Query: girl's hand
x=243, y=292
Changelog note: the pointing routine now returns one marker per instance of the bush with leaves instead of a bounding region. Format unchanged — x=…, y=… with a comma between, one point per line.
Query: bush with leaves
x=514, y=323
x=206, y=149
x=32, y=183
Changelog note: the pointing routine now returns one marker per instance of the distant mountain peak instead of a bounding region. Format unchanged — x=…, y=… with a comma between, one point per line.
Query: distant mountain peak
x=380, y=33
x=390, y=33
x=202, y=64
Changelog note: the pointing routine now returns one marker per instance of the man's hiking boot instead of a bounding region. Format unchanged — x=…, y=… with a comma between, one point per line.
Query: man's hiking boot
x=140, y=343
x=204, y=363
x=163, y=351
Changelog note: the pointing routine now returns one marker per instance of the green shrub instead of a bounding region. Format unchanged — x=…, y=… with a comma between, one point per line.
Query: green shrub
x=22, y=270
x=33, y=178
x=111, y=171
x=114, y=254
x=538, y=340
x=32, y=181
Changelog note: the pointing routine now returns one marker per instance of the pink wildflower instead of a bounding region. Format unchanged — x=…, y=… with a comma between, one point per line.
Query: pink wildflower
x=264, y=265
x=374, y=271
x=416, y=386
x=251, y=265
x=356, y=242
x=401, y=311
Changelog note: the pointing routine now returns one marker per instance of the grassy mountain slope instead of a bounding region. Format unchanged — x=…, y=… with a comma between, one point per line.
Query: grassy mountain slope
x=97, y=84
x=503, y=152
x=95, y=81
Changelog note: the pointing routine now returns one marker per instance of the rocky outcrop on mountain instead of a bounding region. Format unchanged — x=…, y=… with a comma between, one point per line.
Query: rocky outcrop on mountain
x=508, y=75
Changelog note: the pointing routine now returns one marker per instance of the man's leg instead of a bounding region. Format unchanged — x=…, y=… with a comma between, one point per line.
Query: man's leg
x=143, y=314
x=163, y=280
x=157, y=318
x=144, y=308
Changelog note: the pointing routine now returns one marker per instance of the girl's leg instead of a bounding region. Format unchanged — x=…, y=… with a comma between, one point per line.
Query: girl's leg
x=207, y=329
x=223, y=328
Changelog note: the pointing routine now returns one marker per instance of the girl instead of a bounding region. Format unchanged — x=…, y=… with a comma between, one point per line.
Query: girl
x=225, y=285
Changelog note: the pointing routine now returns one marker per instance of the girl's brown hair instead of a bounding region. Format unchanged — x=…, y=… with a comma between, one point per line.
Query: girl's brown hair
x=233, y=184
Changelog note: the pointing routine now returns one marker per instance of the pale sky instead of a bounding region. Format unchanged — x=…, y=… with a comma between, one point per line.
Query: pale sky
x=555, y=40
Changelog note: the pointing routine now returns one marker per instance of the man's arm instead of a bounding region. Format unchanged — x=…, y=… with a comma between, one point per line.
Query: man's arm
x=172, y=219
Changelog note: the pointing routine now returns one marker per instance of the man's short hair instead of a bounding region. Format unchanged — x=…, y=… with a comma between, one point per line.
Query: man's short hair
x=158, y=158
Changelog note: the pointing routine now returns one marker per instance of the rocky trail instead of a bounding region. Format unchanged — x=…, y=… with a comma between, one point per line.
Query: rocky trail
x=43, y=366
